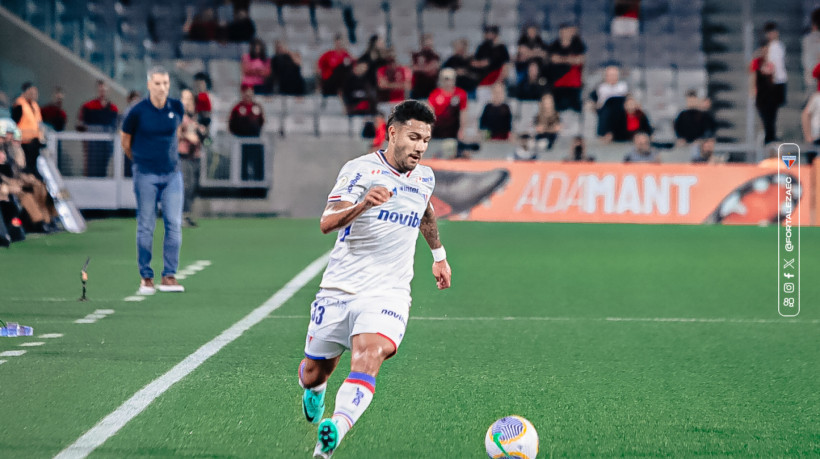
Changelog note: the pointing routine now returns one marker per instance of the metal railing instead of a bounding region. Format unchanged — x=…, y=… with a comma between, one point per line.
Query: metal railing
x=98, y=175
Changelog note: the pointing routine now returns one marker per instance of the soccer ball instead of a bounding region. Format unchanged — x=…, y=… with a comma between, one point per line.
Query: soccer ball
x=516, y=436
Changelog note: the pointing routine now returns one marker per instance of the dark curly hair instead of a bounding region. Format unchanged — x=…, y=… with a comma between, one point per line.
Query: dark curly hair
x=411, y=110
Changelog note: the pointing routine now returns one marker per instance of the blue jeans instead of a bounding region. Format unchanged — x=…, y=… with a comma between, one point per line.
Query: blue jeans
x=168, y=190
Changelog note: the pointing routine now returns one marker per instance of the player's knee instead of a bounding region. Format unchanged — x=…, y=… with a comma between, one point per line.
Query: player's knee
x=310, y=373
x=374, y=353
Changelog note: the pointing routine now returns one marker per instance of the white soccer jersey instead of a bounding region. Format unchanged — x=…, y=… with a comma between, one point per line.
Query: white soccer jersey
x=374, y=255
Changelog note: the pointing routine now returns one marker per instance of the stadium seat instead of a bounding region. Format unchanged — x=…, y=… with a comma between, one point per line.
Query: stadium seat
x=333, y=125
x=331, y=106
x=263, y=10
x=526, y=117
x=303, y=105
x=225, y=75
x=272, y=105
x=296, y=15
x=299, y=124
x=356, y=126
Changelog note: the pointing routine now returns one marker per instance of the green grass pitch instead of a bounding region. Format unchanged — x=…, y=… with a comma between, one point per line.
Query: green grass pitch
x=559, y=323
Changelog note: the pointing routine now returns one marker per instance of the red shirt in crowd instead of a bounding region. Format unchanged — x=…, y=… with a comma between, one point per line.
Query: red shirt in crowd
x=332, y=59
x=203, y=102
x=398, y=74
x=440, y=100
x=246, y=119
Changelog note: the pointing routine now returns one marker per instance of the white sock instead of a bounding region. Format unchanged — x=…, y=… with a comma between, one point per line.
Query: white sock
x=318, y=389
x=352, y=399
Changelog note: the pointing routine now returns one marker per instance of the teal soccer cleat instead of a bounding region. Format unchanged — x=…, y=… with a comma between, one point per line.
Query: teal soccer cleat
x=328, y=439
x=313, y=405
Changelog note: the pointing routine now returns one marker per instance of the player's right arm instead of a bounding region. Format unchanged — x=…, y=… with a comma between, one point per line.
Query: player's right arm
x=126, y=144
x=129, y=125
x=340, y=214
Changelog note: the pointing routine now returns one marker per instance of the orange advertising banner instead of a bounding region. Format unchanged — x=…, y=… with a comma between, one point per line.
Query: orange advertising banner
x=621, y=193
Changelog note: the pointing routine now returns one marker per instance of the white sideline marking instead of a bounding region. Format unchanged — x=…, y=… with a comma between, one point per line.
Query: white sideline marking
x=604, y=319
x=85, y=321
x=134, y=298
x=104, y=311
x=12, y=353
x=115, y=421
x=181, y=276
x=3, y=361
x=96, y=316
x=32, y=344
x=51, y=335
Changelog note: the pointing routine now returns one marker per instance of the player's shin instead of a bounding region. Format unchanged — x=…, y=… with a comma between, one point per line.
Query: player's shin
x=353, y=398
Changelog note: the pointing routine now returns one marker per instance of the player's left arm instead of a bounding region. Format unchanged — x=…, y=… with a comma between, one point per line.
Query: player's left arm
x=429, y=229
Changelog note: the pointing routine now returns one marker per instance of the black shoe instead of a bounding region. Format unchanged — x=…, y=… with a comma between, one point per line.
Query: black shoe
x=190, y=222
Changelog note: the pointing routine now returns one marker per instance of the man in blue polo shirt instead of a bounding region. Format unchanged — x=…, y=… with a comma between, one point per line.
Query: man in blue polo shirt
x=149, y=139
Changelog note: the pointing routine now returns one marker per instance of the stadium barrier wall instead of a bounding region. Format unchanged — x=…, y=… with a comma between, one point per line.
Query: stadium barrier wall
x=620, y=193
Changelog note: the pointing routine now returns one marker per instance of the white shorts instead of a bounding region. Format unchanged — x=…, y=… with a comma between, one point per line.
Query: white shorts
x=336, y=317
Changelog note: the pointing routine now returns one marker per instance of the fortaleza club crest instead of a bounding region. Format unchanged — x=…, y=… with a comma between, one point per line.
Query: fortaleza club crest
x=789, y=160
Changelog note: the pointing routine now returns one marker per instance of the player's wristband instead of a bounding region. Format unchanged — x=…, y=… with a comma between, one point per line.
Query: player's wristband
x=439, y=254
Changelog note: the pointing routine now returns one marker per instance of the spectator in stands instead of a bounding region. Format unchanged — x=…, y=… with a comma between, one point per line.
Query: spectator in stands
x=776, y=54
x=358, y=94
x=534, y=85
x=768, y=97
x=426, y=64
x=374, y=56
x=811, y=53
x=334, y=66
x=256, y=67
x=4, y=105
x=578, y=152
x=224, y=13
x=642, y=151
x=26, y=113
x=461, y=62
x=694, y=122
x=567, y=63
x=547, y=123
x=491, y=58
x=242, y=28
x=98, y=115
x=39, y=214
x=810, y=119
x=246, y=118
x=625, y=21
x=134, y=96
x=703, y=151
x=449, y=103
x=190, y=135
x=610, y=96
x=201, y=26
x=524, y=149
x=496, y=119
x=380, y=134
x=531, y=49
x=53, y=113
x=286, y=70
x=633, y=121
x=202, y=84
x=449, y=4
x=394, y=80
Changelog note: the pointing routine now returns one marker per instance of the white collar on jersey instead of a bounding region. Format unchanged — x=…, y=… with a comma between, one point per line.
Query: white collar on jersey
x=383, y=159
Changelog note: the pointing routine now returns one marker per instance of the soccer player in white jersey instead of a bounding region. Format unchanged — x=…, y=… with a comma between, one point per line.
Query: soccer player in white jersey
x=378, y=205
